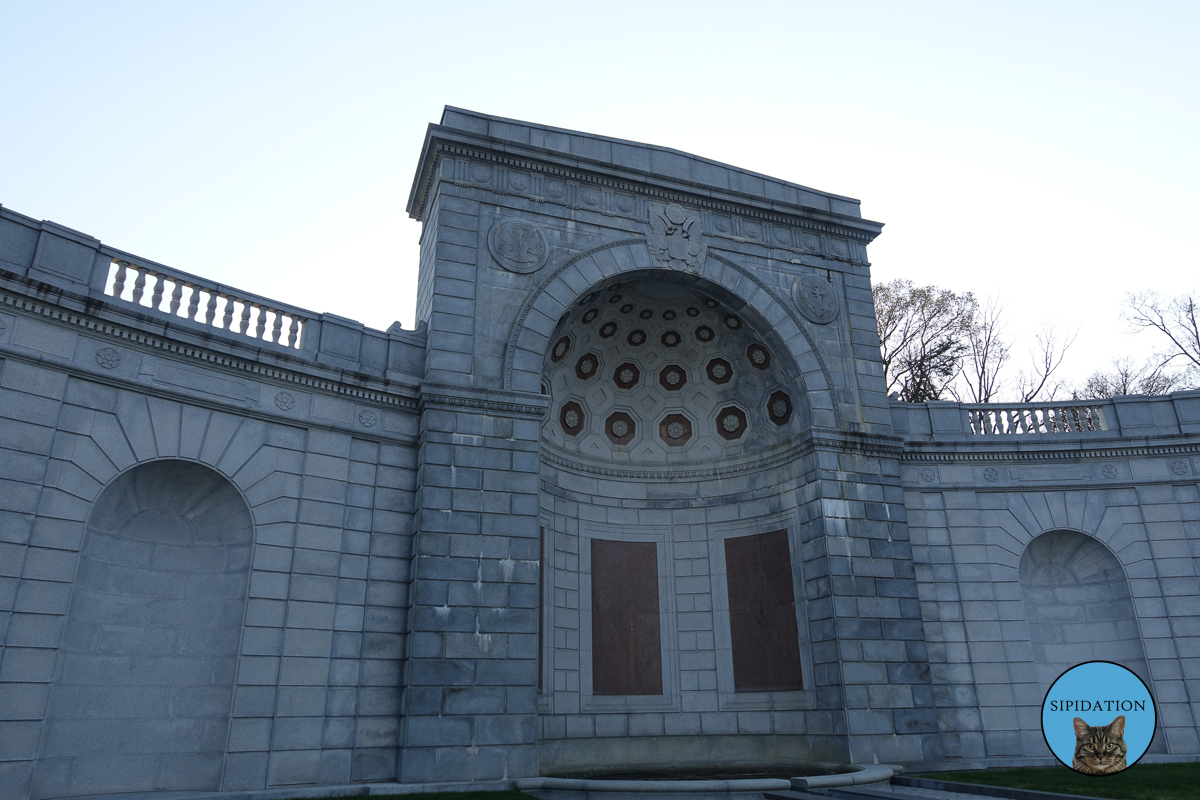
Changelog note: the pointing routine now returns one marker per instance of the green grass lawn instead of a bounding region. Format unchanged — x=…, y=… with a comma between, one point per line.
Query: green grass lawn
x=1139, y=782
x=493, y=795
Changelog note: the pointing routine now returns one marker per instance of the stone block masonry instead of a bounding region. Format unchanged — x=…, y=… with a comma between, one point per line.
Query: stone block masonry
x=247, y=546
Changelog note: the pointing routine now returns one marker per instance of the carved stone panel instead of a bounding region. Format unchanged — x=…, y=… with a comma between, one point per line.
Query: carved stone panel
x=518, y=245
x=762, y=613
x=626, y=639
x=674, y=237
x=816, y=298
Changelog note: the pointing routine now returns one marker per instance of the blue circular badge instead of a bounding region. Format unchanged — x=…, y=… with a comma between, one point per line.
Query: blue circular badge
x=1098, y=718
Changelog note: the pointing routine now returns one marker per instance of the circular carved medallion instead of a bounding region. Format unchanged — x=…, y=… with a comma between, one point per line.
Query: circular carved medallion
x=816, y=298
x=991, y=475
x=108, y=357
x=555, y=189
x=284, y=401
x=518, y=246
x=1109, y=470
x=367, y=418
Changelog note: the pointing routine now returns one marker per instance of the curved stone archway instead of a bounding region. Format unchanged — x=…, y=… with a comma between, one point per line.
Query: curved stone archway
x=145, y=685
x=1078, y=605
x=562, y=287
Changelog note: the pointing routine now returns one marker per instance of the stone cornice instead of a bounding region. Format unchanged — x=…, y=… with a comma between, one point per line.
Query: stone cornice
x=1108, y=449
x=128, y=334
x=815, y=439
x=521, y=404
x=442, y=142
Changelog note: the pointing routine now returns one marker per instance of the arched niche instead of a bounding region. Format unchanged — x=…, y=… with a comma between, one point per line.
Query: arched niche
x=143, y=693
x=668, y=391
x=628, y=259
x=1078, y=606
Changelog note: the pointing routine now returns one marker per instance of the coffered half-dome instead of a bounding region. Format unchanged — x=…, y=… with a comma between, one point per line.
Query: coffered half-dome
x=660, y=369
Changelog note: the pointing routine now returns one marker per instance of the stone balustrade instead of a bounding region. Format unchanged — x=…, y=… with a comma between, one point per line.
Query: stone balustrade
x=165, y=291
x=1021, y=418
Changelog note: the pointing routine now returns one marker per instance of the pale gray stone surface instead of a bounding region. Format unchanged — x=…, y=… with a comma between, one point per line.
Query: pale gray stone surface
x=410, y=520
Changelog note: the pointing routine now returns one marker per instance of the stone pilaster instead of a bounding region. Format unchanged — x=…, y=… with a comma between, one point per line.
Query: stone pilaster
x=470, y=702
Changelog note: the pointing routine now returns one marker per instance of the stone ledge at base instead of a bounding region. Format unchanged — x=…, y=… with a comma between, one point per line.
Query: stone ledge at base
x=310, y=792
x=599, y=789
x=875, y=773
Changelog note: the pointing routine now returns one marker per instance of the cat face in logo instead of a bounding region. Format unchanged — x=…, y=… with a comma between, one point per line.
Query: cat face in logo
x=1099, y=750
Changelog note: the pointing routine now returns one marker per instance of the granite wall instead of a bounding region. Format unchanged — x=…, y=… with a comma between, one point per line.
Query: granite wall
x=268, y=547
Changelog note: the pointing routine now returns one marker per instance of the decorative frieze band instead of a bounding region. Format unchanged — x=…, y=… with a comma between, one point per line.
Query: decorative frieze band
x=537, y=183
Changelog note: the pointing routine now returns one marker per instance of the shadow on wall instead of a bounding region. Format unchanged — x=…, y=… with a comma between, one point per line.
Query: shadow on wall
x=1079, y=608
x=146, y=670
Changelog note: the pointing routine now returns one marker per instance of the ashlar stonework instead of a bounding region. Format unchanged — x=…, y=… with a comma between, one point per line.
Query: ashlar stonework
x=631, y=494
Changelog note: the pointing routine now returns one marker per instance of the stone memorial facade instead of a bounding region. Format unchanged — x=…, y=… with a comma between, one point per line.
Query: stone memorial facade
x=631, y=494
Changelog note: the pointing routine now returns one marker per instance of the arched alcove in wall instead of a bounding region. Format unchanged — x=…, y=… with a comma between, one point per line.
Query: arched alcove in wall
x=1078, y=605
x=671, y=464
x=144, y=686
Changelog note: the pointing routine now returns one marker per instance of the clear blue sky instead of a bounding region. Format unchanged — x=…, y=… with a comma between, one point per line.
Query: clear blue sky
x=1044, y=153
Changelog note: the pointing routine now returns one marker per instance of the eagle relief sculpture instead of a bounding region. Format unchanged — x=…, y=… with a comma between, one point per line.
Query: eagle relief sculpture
x=674, y=238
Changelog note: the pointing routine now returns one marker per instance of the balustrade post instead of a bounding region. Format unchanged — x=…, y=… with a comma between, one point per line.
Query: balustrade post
x=119, y=284
x=193, y=301
x=139, y=287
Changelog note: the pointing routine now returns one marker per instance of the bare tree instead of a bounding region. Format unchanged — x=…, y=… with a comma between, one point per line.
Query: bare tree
x=1128, y=377
x=987, y=353
x=1175, y=319
x=1051, y=348
x=923, y=335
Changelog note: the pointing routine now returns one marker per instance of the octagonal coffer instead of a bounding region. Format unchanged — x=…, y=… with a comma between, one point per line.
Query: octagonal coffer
x=719, y=371
x=779, y=407
x=571, y=417
x=620, y=428
x=731, y=423
x=560, y=349
x=587, y=366
x=675, y=430
x=758, y=356
x=672, y=377
x=627, y=375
